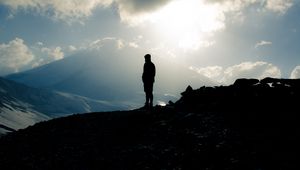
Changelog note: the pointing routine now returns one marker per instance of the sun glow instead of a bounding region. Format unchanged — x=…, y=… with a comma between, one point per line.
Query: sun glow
x=188, y=22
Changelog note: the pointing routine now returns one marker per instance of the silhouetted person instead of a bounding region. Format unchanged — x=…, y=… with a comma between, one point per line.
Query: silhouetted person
x=148, y=80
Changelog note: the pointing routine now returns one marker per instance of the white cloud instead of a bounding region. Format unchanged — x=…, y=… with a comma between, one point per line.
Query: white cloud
x=257, y=69
x=105, y=42
x=280, y=6
x=45, y=55
x=14, y=56
x=72, y=48
x=53, y=53
x=129, y=10
x=38, y=62
x=237, y=6
x=40, y=43
x=120, y=44
x=138, y=11
x=74, y=10
x=212, y=72
x=232, y=5
x=228, y=75
x=109, y=43
x=262, y=43
x=68, y=10
x=133, y=44
x=295, y=73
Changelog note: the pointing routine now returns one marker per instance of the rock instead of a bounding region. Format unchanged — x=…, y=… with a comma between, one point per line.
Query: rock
x=187, y=91
x=268, y=80
x=245, y=82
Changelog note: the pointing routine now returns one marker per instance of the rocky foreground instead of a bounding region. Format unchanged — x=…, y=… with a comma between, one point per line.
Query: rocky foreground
x=251, y=124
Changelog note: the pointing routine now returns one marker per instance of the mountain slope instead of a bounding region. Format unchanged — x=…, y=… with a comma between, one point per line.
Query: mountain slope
x=247, y=125
x=113, y=77
x=21, y=105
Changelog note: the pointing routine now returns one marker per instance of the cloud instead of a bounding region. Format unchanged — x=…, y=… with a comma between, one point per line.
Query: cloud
x=295, y=73
x=212, y=72
x=131, y=11
x=232, y=5
x=137, y=6
x=217, y=9
x=130, y=7
x=53, y=53
x=111, y=43
x=114, y=44
x=257, y=69
x=40, y=43
x=134, y=12
x=133, y=44
x=228, y=75
x=77, y=10
x=72, y=48
x=280, y=6
x=45, y=55
x=14, y=56
x=262, y=43
x=71, y=10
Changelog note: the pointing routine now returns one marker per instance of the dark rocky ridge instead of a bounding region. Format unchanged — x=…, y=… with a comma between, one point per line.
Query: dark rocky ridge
x=251, y=124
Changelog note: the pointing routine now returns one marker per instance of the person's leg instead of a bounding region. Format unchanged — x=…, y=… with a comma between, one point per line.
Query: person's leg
x=147, y=94
x=148, y=88
x=151, y=94
x=151, y=99
x=147, y=98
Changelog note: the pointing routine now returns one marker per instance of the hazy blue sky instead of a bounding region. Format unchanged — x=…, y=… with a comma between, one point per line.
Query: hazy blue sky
x=220, y=39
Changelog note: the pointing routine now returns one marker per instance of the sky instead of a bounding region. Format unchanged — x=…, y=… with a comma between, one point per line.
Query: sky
x=220, y=39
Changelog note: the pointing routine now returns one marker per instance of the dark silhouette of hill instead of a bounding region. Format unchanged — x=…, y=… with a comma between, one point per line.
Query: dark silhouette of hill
x=251, y=124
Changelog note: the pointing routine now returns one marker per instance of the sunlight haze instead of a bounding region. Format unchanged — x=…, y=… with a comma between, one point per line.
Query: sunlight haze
x=227, y=38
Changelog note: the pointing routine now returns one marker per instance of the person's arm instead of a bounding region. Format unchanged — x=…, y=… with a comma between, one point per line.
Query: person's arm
x=154, y=72
x=143, y=75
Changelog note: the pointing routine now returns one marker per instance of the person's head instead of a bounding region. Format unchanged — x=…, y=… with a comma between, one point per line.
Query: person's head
x=147, y=58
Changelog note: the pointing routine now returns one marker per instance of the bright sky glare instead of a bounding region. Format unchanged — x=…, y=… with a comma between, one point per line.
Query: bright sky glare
x=220, y=39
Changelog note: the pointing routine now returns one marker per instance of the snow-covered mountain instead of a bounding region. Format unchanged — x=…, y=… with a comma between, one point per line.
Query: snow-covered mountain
x=21, y=105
